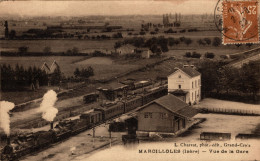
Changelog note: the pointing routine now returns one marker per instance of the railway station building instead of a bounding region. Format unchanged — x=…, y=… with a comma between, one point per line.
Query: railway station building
x=167, y=114
x=185, y=83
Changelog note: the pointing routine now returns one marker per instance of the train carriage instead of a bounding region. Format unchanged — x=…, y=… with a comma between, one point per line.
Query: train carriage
x=67, y=128
x=154, y=93
x=112, y=111
x=91, y=97
x=133, y=103
x=92, y=117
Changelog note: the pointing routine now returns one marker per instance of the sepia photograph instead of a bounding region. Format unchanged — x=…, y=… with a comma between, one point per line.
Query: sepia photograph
x=129, y=80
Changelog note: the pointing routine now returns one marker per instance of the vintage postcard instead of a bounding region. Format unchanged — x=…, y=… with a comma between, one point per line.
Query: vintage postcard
x=130, y=80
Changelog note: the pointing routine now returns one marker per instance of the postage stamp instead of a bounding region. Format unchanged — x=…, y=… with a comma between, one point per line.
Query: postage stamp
x=240, y=22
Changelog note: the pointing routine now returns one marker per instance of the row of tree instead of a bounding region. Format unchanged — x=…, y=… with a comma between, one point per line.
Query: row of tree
x=155, y=44
x=194, y=54
x=58, y=34
x=219, y=78
x=84, y=72
x=18, y=77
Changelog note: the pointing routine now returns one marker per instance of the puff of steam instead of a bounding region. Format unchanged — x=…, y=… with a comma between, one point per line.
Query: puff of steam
x=47, y=106
x=5, y=107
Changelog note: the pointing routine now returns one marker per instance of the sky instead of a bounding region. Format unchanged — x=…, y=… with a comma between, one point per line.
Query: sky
x=106, y=7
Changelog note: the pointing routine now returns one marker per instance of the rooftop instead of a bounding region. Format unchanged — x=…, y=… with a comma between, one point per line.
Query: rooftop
x=112, y=86
x=189, y=71
x=175, y=105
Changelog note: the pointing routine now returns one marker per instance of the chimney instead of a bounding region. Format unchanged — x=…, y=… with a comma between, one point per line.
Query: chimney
x=51, y=125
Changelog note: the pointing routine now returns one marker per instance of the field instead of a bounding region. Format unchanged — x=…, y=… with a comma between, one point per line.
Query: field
x=18, y=97
x=103, y=66
x=57, y=45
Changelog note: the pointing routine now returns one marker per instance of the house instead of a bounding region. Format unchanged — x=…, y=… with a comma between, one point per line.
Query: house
x=145, y=53
x=54, y=66
x=45, y=68
x=49, y=70
x=126, y=49
x=185, y=83
x=167, y=114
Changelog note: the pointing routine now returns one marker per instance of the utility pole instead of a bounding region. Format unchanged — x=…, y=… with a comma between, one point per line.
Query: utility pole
x=110, y=136
x=93, y=137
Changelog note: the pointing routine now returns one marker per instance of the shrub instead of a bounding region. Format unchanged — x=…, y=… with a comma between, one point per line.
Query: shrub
x=182, y=31
x=207, y=40
x=142, y=33
x=195, y=55
x=209, y=55
x=182, y=39
x=216, y=41
x=188, y=54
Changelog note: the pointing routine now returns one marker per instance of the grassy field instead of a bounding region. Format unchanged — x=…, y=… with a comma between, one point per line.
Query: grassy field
x=103, y=66
x=57, y=45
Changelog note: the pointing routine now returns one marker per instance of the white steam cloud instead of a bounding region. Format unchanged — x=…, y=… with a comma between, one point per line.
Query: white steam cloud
x=47, y=106
x=5, y=107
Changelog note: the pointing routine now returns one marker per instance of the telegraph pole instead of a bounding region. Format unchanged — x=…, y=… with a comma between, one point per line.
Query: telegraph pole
x=93, y=137
x=110, y=135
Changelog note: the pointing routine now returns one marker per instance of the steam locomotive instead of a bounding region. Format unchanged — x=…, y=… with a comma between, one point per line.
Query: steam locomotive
x=33, y=142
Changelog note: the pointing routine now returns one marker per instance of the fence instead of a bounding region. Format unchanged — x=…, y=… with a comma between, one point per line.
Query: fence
x=229, y=111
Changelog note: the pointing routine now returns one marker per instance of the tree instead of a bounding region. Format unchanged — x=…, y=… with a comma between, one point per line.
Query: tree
x=195, y=55
x=251, y=74
x=187, y=41
x=216, y=41
x=77, y=72
x=188, y=54
x=177, y=42
x=163, y=43
x=209, y=55
x=12, y=34
x=23, y=49
x=208, y=76
x=69, y=52
x=201, y=42
x=118, y=44
x=109, y=29
x=117, y=35
x=238, y=45
x=87, y=72
x=75, y=50
x=182, y=39
x=47, y=50
x=90, y=71
x=142, y=33
x=171, y=41
x=56, y=76
x=249, y=44
x=207, y=40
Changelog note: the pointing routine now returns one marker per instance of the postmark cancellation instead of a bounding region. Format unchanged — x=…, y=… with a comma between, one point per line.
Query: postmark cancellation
x=240, y=22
